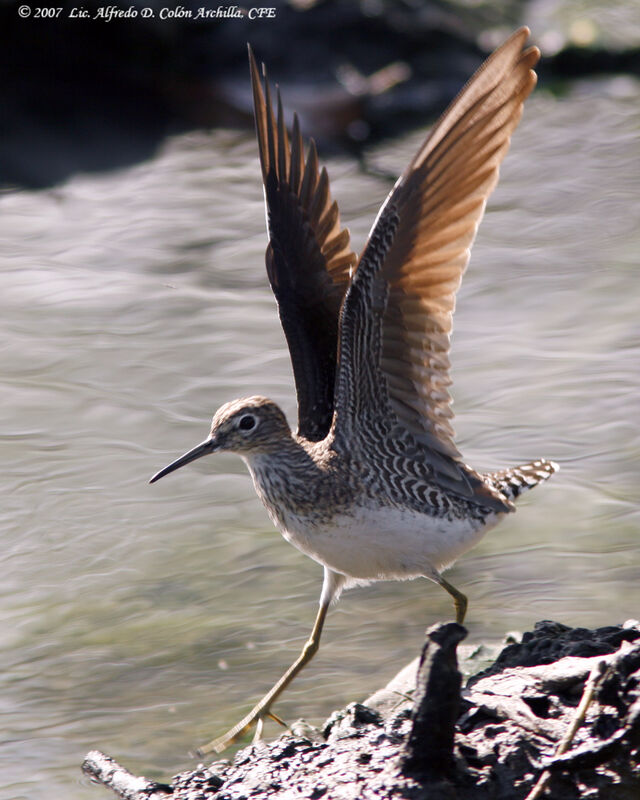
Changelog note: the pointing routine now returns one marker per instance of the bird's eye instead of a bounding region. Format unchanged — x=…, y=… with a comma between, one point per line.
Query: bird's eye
x=247, y=423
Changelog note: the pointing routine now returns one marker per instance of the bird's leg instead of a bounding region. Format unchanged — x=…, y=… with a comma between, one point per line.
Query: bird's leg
x=459, y=600
x=263, y=709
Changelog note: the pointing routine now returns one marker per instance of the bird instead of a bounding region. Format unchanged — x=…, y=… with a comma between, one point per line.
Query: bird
x=371, y=485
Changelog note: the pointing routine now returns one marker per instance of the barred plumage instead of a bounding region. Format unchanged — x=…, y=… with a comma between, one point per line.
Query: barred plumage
x=514, y=481
x=372, y=485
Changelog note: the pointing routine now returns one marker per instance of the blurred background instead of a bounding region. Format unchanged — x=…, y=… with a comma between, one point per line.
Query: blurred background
x=143, y=620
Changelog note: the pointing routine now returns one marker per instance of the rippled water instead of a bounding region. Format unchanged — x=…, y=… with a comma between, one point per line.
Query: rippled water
x=145, y=619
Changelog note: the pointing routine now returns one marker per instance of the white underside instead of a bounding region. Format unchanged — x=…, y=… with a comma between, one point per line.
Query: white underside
x=385, y=543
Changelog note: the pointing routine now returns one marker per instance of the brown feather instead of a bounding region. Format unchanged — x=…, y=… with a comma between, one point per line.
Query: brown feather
x=309, y=258
x=449, y=182
x=418, y=250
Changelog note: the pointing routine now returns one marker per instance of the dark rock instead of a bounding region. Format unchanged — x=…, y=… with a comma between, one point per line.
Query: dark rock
x=511, y=720
x=550, y=641
x=436, y=707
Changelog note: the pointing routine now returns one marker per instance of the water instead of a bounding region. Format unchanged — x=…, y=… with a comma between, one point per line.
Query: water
x=143, y=620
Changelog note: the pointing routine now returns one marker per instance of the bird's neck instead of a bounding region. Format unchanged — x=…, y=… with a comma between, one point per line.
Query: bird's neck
x=287, y=477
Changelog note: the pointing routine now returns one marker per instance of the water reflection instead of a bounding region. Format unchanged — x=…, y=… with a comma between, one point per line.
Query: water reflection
x=143, y=620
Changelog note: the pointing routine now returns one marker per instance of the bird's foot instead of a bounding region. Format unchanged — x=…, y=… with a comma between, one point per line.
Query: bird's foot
x=255, y=717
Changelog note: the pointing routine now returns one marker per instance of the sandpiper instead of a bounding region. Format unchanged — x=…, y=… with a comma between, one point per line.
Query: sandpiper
x=371, y=485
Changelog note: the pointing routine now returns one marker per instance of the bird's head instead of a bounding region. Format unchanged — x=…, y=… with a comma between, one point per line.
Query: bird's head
x=248, y=427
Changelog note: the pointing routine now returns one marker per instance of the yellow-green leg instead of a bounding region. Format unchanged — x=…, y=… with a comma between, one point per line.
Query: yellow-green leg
x=460, y=601
x=262, y=710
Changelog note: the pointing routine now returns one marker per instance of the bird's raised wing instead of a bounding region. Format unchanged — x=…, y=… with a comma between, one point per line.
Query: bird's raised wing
x=309, y=258
x=397, y=315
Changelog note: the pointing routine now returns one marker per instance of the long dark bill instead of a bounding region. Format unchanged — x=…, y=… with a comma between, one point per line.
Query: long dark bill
x=202, y=449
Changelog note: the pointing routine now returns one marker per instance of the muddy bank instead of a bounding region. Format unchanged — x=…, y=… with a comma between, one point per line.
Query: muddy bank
x=557, y=712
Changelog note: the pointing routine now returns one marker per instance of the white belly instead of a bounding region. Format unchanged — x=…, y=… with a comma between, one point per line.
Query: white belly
x=386, y=543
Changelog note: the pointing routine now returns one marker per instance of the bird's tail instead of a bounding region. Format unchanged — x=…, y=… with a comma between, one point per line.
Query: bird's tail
x=514, y=481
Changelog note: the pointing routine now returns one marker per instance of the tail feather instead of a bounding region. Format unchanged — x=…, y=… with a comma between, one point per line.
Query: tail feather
x=514, y=481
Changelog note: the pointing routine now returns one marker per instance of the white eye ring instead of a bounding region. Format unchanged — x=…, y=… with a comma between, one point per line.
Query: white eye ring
x=247, y=422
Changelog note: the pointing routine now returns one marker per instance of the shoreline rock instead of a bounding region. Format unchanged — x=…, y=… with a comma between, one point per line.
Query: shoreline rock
x=556, y=714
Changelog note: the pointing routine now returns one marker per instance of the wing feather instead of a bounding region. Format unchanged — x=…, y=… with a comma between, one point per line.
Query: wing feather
x=309, y=257
x=397, y=317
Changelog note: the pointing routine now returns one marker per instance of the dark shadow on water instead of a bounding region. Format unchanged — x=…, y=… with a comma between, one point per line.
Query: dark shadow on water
x=85, y=95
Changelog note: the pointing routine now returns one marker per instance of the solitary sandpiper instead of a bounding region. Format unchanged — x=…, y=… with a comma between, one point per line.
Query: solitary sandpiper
x=371, y=485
